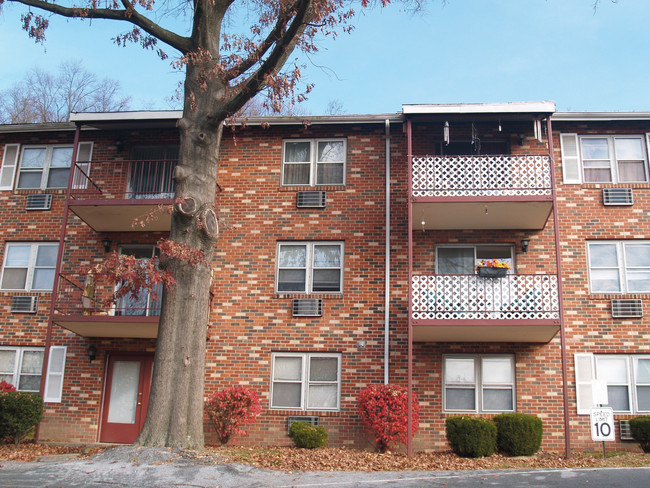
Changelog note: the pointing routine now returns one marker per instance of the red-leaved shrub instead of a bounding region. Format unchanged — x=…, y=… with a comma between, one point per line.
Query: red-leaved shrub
x=232, y=410
x=384, y=413
x=4, y=386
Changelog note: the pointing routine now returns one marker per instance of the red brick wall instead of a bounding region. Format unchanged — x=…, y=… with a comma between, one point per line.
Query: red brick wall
x=249, y=321
x=589, y=325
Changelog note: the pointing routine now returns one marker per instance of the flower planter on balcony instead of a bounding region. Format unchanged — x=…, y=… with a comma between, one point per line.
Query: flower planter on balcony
x=487, y=272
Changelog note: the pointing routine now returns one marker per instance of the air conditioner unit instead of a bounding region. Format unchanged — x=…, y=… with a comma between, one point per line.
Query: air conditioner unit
x=307, y=307
x=23, y=304
x=618, y=196
x=626, y=432
x=627, y=307
x=39, y=202
x=314, y=199
x=310, y=420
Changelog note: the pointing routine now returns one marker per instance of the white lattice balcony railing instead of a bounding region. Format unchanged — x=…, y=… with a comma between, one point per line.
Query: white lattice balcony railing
x=513, y=297
x=445, y=176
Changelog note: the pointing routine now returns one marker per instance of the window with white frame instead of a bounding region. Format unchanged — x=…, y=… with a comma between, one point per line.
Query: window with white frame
x=310, y=267
x=627, y=378
x=29, y=266
x=462, y=259
x=310, y=162
x=479, y=383
x=306, y=381
x=619, y=266
x=22, y=367
x=44, y=167
x=604, y=158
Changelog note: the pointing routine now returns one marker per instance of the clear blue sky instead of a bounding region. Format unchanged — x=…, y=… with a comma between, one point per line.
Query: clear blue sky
x=457, y=51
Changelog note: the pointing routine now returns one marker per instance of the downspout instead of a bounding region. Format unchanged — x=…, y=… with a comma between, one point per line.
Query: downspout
x=409, y=443
x=558, y=259
x=387, y=270
x=59, y=258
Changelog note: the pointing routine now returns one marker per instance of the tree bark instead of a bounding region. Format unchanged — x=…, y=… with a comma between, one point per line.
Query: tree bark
x=174, y=417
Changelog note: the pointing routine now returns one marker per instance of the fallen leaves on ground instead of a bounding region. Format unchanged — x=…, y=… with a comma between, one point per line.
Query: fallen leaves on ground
x=334, y=459
x=340, y=459
x=31, y=451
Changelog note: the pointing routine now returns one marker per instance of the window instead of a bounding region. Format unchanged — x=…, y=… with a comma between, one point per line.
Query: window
x=314, y=162
x=627, y=378
x=29, y=266
x=22, y=367
x=463, y=259
x=44, y=167
x=315, y=267
x=302, y=381
x=604, y=159
x=619, y=267
x=479, y=383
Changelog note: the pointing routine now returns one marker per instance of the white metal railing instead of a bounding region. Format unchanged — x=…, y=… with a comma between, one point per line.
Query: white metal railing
x=520, y=175
x=439, y=297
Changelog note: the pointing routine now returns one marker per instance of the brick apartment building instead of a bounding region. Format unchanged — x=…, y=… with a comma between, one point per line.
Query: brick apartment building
x=347, y=257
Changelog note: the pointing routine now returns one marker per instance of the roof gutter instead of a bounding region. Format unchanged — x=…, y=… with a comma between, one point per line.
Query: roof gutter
x=173, y=115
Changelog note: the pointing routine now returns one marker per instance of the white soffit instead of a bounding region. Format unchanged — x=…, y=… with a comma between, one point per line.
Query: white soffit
x=480, y=108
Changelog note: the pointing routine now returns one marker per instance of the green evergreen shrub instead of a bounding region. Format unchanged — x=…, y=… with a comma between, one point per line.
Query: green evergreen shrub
x=518, y=434
x=471, y=436
x=640, y=427
x=20, y=412
x=307, y=436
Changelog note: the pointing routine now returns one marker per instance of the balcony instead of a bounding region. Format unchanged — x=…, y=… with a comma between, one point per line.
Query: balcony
x=469, y=308
x=121, y=193
x=481, y=192
x=84, y=312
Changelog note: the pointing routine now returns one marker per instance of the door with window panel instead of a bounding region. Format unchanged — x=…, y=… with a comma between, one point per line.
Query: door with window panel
x=145, y=304
x=151, y=173
x=126, y=398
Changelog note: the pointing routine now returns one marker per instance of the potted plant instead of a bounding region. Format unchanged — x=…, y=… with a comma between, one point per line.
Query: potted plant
x=492, y=268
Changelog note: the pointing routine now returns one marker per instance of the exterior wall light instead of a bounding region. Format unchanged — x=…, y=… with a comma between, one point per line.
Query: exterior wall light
x=106, y=242
x=524, y=245
x=92, y=352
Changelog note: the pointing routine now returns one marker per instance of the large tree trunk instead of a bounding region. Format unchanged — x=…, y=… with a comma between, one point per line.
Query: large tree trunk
x=175, y=414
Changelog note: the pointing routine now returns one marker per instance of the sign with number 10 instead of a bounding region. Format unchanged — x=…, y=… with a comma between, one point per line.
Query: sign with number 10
x=602, y=424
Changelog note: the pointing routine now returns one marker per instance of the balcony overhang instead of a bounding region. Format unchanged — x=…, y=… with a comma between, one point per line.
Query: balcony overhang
x=120, y=215
x=480, y=111
x=531, y=331
x=110, y=326
x=440, y=213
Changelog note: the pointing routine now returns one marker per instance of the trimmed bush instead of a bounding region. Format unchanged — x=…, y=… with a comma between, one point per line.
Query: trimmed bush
x=518, y=434
x=20, y=412
x=231, y=411
x=471, y=437
x=307, y=436
x=640, y=427
x=384, y=413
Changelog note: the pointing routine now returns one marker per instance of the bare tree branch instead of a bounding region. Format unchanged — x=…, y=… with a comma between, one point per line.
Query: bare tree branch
x=46, y=97
x=283, y=48
x=130, y=15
